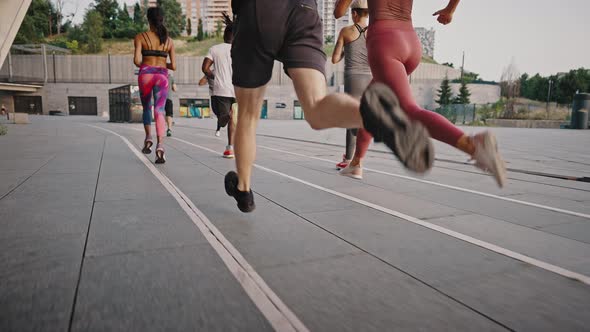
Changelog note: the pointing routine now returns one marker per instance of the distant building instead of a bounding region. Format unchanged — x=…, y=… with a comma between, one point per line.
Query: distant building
x=331, y=27
x=191, y=9
x=426, y=37
x=212, y=11
x=209, y=11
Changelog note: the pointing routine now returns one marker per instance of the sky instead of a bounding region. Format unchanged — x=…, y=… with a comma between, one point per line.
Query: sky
x=539, y=36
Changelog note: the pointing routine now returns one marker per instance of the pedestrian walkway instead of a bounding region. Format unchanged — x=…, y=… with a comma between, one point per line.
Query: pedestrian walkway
x=95, y=237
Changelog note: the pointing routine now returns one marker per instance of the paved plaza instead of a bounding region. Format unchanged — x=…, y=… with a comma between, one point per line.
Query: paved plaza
x=95, y=237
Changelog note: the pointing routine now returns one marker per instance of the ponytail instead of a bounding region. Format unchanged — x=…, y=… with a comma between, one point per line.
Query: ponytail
x=162, y=33
x=156, y=18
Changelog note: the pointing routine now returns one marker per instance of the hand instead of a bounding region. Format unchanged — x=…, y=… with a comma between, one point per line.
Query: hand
x=445, y=16
x=174, y=88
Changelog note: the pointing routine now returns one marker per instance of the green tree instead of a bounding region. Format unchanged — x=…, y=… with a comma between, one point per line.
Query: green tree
x=77, y=33
x=445, y=94
x=200, y=30
x=66, y=26
x=567, y=85
x=189, y=28
x=218, y=28
x=125, y=25
x=73, y=46
x=93, y=28
x=139, y=18
x=108, y=10
x=173, y=18
x=35, y=25
x=464, y=94
x=563, y=87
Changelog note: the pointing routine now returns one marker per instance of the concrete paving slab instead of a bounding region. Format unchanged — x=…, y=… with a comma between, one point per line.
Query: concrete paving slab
x=72, y=164
x=152, y=274
x=66, y=188
x=29, y=217
x=554, y=249
x=442, y=263
x=22, y=164
x=424, y=253
x=360, y=293
x=181, y=289
x=508, y=211
x=122, y=187
x=556, y=201
x=37, y=282
x=528, y=299
x=137, y=225
x=11, y=179
x=419, y=208
x=579, y=231
x=298, y=198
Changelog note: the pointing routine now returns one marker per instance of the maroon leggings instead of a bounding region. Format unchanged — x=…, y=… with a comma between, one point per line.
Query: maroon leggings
x=394, y=53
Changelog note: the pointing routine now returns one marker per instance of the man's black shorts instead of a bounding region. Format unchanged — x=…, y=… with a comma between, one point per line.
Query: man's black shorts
x=221, y=106
x=169, y=108
x=266, y=30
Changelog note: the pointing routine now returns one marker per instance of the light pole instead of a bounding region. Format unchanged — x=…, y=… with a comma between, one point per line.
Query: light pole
x=549, y=93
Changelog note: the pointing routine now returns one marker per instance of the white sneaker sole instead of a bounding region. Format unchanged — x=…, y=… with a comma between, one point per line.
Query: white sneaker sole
x=351, y=175
x=496, y=166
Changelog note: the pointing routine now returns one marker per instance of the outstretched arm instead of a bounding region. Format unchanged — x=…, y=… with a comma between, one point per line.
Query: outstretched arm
x=445, y=15
x=338, y=49
x=340, y=8
x=206, y=68
x=137, y=52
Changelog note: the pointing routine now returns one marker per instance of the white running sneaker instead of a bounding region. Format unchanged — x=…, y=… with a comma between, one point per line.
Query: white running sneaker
x=217, y=133
x=488, y=158
x=355, y=172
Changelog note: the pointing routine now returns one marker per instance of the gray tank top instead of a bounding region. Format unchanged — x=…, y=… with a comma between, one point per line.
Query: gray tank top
x=355, y=54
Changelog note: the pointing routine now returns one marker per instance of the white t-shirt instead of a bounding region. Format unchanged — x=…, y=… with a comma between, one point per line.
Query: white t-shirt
x=221, y=56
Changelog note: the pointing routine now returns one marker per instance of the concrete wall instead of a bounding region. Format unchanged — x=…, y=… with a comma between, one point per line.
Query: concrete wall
x=425, y=92
x=120, y=69
x=55, y=96
x=90, y=76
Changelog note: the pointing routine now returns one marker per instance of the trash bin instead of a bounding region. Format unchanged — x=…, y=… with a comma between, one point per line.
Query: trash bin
x=580, y=108
x=582, y=118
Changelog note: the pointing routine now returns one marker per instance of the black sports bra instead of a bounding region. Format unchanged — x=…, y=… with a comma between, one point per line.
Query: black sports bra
x=162, y=54
x=151, y=51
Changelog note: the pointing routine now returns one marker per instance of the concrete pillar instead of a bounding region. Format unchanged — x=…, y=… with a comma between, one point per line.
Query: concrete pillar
x=12, y=13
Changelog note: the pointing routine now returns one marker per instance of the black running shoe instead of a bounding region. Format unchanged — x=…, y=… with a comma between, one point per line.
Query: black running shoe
x=245, y=199
x=388, y=123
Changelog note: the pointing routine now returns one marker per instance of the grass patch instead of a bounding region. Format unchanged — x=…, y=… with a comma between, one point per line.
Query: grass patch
x=183, y=45
x=194, y=47
x=427, y=59
x=3, y=130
